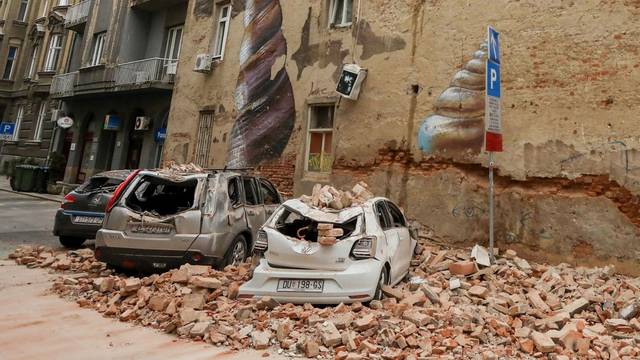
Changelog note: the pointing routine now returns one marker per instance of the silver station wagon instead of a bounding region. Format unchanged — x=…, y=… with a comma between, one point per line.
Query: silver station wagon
x=158, y=220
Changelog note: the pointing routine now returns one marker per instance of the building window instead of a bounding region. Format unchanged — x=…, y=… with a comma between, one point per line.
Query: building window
x=98, y=47
x=53, y=54
x=174, y=43
x=224, y=17
x=340, y=13
x=22, y=11
x=205, y=132
x=11, y=60
x=16, y=130
x=37, y=134
x=320, y=138
x=32, y=64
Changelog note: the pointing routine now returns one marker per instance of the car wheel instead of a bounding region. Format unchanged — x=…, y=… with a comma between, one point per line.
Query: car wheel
x=71, y=242
x=382, y=281
x=237, y=252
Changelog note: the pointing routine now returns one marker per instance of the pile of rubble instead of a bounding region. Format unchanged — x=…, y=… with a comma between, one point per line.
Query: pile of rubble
x=451, y=307
x=189, y=168
x=329, y=198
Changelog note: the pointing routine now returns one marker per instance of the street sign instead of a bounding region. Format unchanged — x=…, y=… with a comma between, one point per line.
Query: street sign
x=160, y=135
x=65, y=122
x=6, y=131
x=493, y=126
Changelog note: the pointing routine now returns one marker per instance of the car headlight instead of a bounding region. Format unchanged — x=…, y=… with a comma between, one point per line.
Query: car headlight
x=262, y=242
x=364, y=248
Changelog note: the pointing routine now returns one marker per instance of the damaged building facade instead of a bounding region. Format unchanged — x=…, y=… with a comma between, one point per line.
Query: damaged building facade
x=256, y=88
x=118, y=82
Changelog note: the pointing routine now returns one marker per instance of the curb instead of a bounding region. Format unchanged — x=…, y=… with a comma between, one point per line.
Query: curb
x=33, y=195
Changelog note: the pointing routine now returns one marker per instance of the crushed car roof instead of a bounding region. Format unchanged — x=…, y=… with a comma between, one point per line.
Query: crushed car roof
x=325, y=215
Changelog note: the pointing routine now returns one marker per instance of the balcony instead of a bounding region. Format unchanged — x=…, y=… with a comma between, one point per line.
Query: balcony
x=154, y=74
x=154, y=5
x=144, y=73
x=64, y=85
x=77, y=15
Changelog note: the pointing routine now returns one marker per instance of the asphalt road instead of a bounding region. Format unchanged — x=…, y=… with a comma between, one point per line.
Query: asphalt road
x=26, y=220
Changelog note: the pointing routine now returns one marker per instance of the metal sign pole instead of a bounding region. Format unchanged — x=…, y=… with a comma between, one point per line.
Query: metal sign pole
x=491, y=256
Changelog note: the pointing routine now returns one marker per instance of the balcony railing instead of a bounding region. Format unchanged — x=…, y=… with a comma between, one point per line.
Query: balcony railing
x=145, y=71
x=63, y=85
x=77, y=13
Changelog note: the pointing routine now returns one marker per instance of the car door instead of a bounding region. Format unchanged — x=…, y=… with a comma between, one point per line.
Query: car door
x=402, y=258
x=269, y=196
x=390, y=237
x=254, y=210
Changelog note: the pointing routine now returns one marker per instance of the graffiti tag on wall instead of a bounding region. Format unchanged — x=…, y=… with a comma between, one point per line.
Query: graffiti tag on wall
x=457, y=124
x=266, y=109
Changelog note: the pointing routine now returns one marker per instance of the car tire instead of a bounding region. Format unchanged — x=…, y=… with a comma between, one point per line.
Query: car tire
x=71, y=242
x=382, y=281
x=237, y=252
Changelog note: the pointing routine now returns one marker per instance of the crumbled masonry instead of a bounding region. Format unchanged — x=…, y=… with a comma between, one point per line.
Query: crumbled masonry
x=514, y=309
x=329, y=198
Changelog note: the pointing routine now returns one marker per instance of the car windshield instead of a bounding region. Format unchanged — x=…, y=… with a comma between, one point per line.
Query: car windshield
x=160, y=196
x=293, y=224
x=99, y=183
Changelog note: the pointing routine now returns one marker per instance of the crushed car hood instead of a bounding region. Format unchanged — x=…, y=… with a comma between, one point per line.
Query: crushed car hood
x=330, y=216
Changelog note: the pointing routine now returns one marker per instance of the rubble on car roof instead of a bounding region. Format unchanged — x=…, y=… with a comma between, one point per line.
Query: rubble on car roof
x=329, y=198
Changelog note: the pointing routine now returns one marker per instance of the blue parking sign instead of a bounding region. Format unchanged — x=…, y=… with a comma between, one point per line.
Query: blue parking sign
x=6, y=131
x=494, y=45
x=493, y=79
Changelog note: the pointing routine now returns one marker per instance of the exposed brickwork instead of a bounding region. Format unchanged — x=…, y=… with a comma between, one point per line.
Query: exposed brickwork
x=588, y=185
x=280, y=173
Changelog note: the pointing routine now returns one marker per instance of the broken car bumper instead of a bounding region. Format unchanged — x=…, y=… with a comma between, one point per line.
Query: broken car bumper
x=356, y=283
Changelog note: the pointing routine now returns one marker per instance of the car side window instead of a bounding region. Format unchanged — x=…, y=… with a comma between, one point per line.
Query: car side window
x=250, y=191
x=234, y=191
x=383, y=216
x=397, y=219
x=269, y=193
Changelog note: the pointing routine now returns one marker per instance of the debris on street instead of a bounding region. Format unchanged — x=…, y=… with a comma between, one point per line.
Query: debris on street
x=329, y=198
x=449, y=309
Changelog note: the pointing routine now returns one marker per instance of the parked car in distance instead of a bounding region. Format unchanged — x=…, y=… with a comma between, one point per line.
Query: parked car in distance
x=159, y=219
x=82, y=210
x=375, y=249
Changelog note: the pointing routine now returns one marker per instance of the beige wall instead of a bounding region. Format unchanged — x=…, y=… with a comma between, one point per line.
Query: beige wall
x=570, y=73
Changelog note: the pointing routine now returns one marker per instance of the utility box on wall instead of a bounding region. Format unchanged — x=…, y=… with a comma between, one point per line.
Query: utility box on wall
x=351, y=79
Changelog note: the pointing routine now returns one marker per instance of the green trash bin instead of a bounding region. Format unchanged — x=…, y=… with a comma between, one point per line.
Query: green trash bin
x=41, y=179
x=16, y=179
x=27, y=183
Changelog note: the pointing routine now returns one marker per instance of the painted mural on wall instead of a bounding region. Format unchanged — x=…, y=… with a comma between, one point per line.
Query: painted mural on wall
x=264, y=96
x=457, y=124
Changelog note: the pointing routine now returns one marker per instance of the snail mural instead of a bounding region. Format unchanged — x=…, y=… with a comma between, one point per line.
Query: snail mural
x=457, y=125
x=264, y=96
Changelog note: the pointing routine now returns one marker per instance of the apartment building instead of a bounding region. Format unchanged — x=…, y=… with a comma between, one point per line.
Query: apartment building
x=32, y=40
x=118, y=82
x=257, y=87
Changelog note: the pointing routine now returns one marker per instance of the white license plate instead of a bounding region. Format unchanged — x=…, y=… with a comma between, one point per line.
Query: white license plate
x=300, y=285
x=87, y=219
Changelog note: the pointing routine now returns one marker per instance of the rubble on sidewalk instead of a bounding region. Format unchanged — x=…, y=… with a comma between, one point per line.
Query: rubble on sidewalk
x=513, y=309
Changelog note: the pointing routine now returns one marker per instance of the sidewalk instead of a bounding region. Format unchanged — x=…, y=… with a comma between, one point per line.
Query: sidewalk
x=6, y=187
x=37, y=325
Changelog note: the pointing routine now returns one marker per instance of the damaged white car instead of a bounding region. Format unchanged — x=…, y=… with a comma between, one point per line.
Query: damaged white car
x=328, y=257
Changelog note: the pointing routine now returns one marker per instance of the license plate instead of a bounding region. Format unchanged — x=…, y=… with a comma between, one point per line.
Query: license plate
x=300, y=285
x=157, y=229
x=87, y=219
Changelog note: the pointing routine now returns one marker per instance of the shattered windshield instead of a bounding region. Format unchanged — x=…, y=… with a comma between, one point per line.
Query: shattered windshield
x=162, y=197
x=294, y=224
x=99, y=183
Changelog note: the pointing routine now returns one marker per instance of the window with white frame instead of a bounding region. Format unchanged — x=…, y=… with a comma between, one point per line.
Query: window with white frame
x=12, y=56
x=98, y=47
x=31, y=73
x=42, y=113
x=320, y=138
x=340, y=13
x=222, y=30
x=53, y=54
x=18, y=121
x=22, y=10
x=174, y=43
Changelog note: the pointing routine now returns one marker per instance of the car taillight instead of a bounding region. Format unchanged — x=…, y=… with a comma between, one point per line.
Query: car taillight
x=363, y=248
x=119, y=190
x=68, y=199
x=262, y=242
